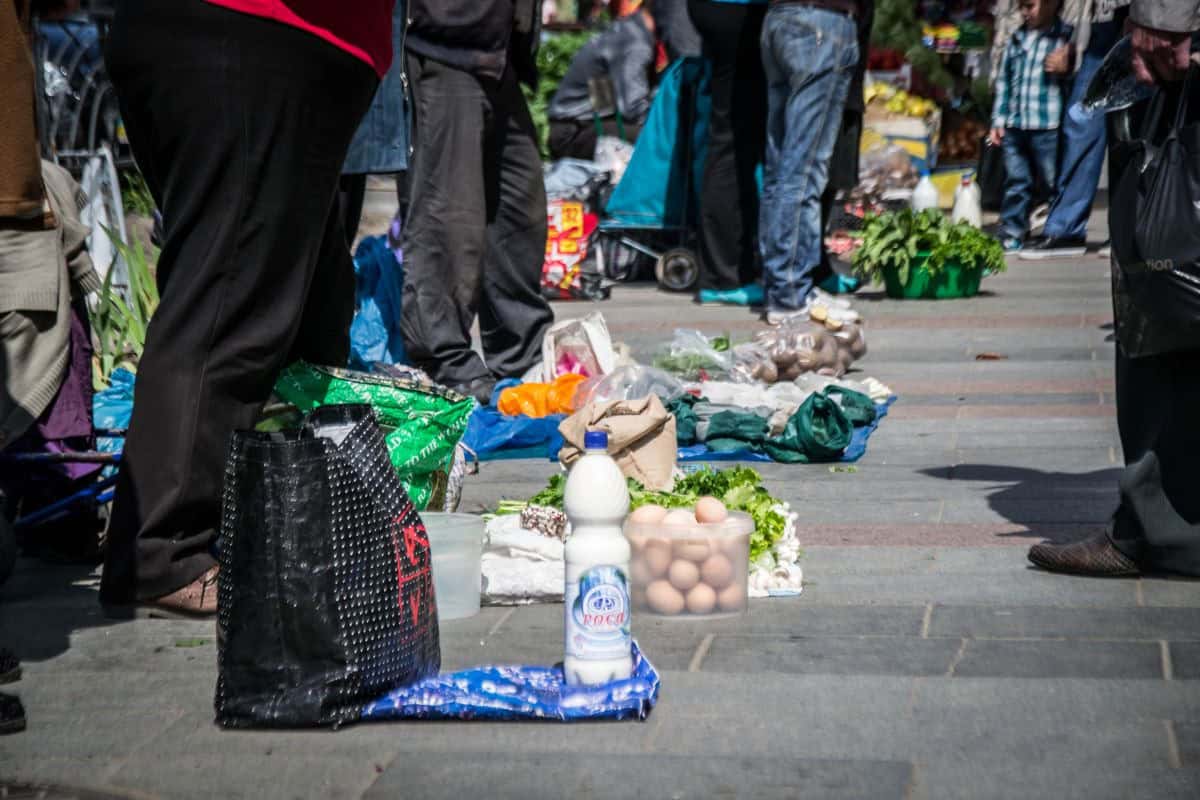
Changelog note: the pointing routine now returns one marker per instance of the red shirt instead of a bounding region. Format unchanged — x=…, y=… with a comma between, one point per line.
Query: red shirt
x=363, y=28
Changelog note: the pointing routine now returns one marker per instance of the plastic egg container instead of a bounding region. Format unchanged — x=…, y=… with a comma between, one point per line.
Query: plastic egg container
x=683, y=569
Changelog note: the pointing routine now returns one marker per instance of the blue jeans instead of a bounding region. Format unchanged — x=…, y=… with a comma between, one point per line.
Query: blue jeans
x=1027, y=155
x=1083, y=146
x=809, y=55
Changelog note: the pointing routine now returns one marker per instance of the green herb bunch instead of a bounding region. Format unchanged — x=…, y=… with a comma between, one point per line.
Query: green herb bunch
x=119, y=323
x=895, y=239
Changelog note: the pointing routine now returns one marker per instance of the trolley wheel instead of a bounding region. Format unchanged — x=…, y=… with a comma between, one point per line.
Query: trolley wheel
x=677, y=270
x=8, y=548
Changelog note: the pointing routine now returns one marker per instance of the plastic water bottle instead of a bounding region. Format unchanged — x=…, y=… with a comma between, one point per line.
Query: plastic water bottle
x=968, y=203
x=926, y=195
x=598, y=646
x=1114, y=86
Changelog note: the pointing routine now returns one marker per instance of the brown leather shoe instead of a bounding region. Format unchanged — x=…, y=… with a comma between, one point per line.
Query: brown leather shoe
x=197, y=600
x=1094, y=556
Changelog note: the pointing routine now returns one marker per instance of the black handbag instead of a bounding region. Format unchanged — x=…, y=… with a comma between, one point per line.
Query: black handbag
x=1154, y=178
x=991, y=175
x=325, y=591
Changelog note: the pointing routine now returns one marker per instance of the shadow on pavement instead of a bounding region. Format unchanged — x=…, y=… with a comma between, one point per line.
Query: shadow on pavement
x=1028, y=497
x=42, y=604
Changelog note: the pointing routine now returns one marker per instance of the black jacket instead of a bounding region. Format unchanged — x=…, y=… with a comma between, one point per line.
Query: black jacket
x=478, y=36
x=624, y=52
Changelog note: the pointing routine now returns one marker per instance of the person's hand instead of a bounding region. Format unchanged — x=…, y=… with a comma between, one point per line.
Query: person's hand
x=1059, y=61
x=996, y=136
x=1159, y=56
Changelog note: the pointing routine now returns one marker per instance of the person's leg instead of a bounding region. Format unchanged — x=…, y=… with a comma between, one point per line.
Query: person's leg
x=1018, y=185
x=1158, y=525
x=513, y=315
x=240, y=256
x=1083, y=142
x=722, y=220
x=809, y=57
x=749, y=108
x=444, y=237
x=1043, y=148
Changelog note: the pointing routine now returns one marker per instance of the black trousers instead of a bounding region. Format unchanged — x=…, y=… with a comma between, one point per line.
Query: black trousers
x=240, y=126
x=1158, y=412
x=577, y=139
x=737, y=140
x=475, y=238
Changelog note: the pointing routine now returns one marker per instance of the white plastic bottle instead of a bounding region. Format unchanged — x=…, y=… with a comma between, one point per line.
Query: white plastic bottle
x=926, y=195
x=596, y=601
x=968, y=203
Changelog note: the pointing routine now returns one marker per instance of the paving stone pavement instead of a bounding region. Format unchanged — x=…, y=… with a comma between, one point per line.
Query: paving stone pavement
x=925, y=658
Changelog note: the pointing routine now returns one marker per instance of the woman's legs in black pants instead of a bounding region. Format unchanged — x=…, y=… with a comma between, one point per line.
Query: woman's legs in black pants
x=240, y=126
x=729, y=255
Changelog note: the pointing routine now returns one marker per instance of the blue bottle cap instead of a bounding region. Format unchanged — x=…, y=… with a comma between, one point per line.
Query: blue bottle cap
x=595, y=440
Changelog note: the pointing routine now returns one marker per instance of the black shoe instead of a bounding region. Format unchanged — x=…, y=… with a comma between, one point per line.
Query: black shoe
x=480, y=388
x=1094, y=557
x=10, y=667
x=1046, y=247
x=12, y=714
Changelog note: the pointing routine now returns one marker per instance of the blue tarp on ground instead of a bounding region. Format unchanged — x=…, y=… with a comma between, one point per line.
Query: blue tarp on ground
x=493, y=436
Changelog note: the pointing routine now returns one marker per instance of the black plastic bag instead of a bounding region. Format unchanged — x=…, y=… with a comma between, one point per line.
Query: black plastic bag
x=991, y=175
x=325, y=589
x=1154, y=175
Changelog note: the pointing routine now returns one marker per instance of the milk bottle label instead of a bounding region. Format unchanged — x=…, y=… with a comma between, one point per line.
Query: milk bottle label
x=598, y=622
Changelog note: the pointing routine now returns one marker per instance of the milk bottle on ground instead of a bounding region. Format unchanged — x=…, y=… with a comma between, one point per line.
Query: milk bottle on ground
x=596, y=600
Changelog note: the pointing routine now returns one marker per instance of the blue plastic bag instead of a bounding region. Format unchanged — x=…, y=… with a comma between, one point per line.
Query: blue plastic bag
x=379, y=289
x=521, y=693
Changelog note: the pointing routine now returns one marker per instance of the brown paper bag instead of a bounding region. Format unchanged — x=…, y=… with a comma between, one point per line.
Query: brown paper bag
x=641, y=438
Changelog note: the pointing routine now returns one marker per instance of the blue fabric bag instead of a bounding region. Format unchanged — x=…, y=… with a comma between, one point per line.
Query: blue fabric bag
x=521, y=693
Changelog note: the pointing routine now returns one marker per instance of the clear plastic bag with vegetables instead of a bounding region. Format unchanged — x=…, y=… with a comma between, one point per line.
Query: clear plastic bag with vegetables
x=694, y=357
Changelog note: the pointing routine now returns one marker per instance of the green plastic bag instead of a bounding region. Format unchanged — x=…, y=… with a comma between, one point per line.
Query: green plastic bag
x=857, y=407
x=818, y=432
x=422, y=424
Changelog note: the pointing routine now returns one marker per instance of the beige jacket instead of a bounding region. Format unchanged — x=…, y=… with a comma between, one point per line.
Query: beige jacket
x=39, y=270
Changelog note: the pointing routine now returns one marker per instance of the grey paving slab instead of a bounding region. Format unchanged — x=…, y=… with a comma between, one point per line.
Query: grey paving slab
x=1187, y=740
x=1168, y=591
x=1034, y=588
x=831, y=655
x=996, y=658
x=532, y=776
x=1185, y=660
x=1041, y=622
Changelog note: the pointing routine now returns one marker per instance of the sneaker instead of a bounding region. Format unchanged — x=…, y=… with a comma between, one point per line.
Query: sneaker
x=12, y=714
x=1105, y=250
x=828, y=300
x=749, y=295
x=1038, y=217
x=1045, y=247
x=1011, y=244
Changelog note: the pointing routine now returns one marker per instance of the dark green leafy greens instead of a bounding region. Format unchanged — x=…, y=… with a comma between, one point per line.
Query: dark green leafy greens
x=739, y=488
x=893, y=240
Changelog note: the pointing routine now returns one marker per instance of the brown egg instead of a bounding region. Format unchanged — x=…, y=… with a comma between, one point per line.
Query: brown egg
x=711, y=510
x=637, y=542
x=732, y=597
x=717, y=571
x=736, y=547
x=648, y=515
x=657, y=558
x=663, y=598
x=639, y=571
x=701, y=599
x=679, y=516
x=683, y=574
x=692, y=549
